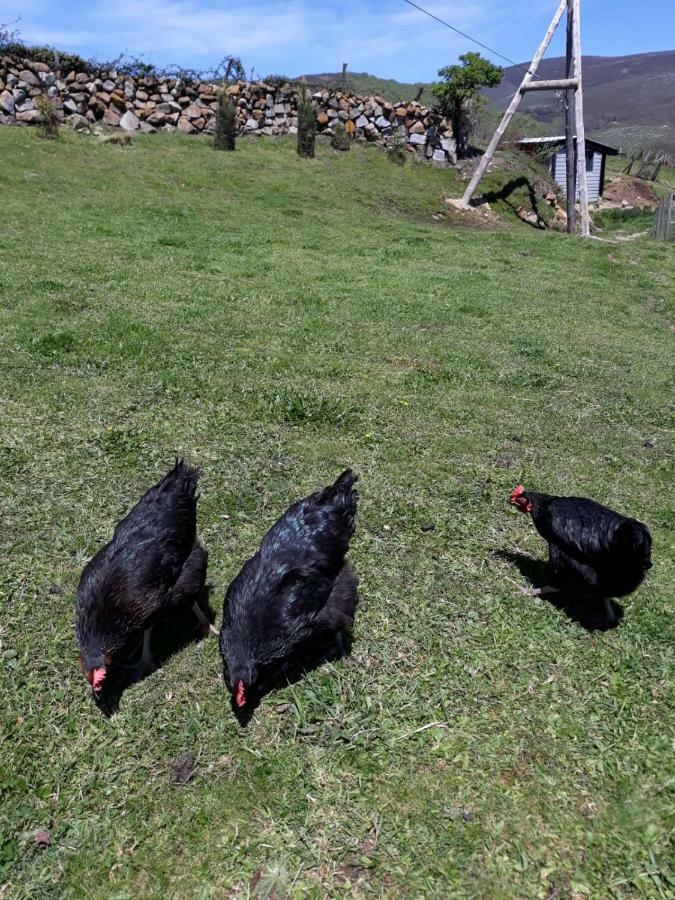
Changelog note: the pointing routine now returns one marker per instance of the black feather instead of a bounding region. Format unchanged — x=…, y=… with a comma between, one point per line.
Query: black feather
x=591, y=546
x=296, y=590
x=153, y=563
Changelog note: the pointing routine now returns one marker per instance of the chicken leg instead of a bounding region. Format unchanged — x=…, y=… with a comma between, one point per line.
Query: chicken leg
x=203, y=621
x=534, y=592
x=146, y=664
x=609, y=610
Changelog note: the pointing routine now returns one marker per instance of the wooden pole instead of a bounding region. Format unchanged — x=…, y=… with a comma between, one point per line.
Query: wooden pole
x=556, y=84
x=579, y=116
x=669, y=218
x=570, y=148
x=513, y=106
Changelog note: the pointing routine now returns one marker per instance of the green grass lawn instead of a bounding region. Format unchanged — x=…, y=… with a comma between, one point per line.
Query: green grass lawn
x=274, y=320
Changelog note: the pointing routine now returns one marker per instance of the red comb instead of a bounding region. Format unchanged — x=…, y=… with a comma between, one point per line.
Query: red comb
x=240, y=697
x=517, y=491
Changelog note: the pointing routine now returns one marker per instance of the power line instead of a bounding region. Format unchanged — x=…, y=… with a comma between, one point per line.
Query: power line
x=467, y=36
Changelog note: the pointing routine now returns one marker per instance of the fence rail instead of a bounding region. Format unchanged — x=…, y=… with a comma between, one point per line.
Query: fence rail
x=664, y=218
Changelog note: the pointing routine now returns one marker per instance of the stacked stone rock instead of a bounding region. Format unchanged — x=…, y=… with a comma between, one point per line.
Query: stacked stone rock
x=173, y=104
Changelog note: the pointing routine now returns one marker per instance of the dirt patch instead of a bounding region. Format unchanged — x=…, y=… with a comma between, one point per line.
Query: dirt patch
x=622, y=190
x=181, y=769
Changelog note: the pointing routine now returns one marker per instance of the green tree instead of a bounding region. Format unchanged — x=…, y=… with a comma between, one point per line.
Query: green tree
x=306, y=124
x=458, y=94
x=226, y=123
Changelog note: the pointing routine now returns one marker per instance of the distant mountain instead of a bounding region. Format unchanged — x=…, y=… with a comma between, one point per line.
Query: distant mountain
x=627, y=99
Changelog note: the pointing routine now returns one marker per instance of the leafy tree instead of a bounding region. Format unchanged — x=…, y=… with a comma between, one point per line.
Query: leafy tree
x=458, y=94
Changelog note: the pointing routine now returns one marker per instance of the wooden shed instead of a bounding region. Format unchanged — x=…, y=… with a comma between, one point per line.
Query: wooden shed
x=556, y=160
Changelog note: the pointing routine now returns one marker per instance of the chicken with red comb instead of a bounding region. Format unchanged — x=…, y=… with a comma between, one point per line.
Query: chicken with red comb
x=294, y=597
x=153, y=565
x=593, y=550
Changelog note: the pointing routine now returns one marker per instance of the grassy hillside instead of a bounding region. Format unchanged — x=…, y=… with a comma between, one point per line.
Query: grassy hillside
x=275, y=319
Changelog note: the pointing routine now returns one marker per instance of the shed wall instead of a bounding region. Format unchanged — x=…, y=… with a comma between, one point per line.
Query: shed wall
x=593, y=173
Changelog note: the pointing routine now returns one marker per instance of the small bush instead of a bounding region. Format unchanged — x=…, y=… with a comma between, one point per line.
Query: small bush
x=49, y=121
x=340, y=140
x=396, y=148
x=277, y=81
x=226, y=124
x=306, y=125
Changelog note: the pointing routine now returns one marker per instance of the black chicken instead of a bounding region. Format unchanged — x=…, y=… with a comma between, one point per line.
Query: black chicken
x=295, y=597
x=591, y=548
x=153, y=565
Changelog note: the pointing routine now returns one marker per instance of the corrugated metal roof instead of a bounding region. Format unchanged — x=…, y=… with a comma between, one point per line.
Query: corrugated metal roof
x=560, y=139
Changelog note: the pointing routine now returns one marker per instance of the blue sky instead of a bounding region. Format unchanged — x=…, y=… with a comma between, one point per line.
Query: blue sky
x=384, y=37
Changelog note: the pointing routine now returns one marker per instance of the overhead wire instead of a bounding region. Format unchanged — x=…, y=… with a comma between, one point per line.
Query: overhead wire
x=468, y=36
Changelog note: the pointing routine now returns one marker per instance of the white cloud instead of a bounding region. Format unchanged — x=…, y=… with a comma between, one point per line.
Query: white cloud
x=389, y=37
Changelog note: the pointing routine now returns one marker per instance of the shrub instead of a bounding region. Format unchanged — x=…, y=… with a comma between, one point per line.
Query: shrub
x=49, y=122
x=226, y=123
x=277, y=81
x=396, y=144
x=340, y=140
x=306, y=124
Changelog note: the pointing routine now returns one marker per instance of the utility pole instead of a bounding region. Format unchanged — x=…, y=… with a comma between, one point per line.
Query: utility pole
x=579, y=116
x=570, y=146
x=574, y=114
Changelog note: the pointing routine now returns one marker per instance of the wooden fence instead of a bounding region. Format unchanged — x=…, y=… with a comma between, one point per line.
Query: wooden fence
x=665, y=219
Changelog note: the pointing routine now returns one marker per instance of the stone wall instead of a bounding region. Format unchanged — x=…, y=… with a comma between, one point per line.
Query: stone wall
x=169, y=104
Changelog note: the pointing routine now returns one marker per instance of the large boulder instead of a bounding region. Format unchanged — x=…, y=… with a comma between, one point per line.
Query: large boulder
x=129, y=122
x=7, y=104
x=111, y=117
x=156, y=118
x=29, y=117
x=77, y=123
x=29, y=77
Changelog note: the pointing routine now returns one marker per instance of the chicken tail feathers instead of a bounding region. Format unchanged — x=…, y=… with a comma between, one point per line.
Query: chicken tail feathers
x=634, y=541
x=342, y=491
x=182, y=478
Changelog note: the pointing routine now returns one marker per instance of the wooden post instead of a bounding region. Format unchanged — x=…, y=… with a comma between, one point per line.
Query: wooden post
x=669, y=218
x=570, y=148
x=581, y=132
x=513, y=106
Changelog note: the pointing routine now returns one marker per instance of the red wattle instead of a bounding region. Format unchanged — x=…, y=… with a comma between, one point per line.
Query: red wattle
x=98, y=679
